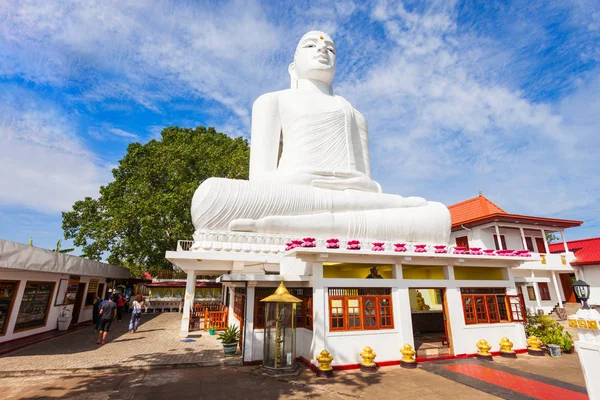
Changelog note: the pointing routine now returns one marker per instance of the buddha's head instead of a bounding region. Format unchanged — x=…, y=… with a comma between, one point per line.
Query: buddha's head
x=314, y=58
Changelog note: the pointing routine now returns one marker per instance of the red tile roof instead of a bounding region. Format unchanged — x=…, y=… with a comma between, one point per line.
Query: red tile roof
x=473, y=209
x=587, y=251
x=479, y=210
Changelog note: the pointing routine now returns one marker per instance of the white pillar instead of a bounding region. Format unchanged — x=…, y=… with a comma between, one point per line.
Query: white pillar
x=559, y=296
x=188, y=304
x=545, y=241
x=499, y=238
x=249, y=326
x=523, y=238
x=536, y=290
x=564, y=240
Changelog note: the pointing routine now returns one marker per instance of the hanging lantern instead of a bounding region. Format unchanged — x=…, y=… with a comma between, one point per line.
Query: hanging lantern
x=279, y=349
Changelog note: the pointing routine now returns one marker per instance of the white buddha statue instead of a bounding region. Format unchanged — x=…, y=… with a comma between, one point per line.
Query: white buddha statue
x=310, y=168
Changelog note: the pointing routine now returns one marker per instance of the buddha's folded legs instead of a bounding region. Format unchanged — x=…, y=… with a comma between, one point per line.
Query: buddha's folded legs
x=223, y=204
x=426, y=224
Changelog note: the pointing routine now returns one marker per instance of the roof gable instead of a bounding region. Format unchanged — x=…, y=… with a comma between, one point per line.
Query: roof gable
x=475, y=208
x=587, y=251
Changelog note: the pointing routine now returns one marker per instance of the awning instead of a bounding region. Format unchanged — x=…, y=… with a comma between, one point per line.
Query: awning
x=18, y=256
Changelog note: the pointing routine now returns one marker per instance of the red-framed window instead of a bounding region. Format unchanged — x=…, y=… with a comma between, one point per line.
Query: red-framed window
x=463, y=241
x=544, y=291
x=304, y=310
x=491, y=305
x=502, y=240
x=360, y=309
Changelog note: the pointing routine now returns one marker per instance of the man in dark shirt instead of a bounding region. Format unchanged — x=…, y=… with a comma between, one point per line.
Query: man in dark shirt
x=108, y=312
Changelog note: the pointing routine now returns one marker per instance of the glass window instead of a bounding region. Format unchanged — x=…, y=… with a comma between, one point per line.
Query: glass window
x=487, y=305
x=360, y=309
x=34, y=305
x=7, y=297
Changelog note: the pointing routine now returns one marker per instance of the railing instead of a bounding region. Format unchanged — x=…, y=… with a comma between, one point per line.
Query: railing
x=184, y=245
x=216, y=319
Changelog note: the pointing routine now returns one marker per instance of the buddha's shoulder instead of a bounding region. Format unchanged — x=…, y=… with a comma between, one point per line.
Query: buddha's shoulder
x=270, y=99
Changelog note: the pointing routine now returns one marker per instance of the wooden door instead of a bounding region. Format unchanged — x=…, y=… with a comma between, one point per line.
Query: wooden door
x=567, y=284
x=78, y=301
x=540, y=245
x=447, y=328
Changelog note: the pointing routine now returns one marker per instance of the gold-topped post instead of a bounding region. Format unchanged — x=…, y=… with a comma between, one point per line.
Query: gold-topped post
x=506, y=348
x=533, y=346
x=325, y=370
x=408, y=354
x=368, y=365
x=484, y=350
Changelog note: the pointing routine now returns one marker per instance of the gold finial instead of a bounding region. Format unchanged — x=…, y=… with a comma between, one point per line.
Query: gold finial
x=281, y=295
x=321, y=37
x=480, y=192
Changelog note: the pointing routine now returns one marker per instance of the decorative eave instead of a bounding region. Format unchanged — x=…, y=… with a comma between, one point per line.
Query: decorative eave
x=518, y=219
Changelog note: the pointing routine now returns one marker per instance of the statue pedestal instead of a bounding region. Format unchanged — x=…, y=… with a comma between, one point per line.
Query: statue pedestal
x=589, y=357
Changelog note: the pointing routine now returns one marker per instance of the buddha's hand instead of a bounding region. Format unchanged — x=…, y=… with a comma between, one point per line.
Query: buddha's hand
x=346, y=180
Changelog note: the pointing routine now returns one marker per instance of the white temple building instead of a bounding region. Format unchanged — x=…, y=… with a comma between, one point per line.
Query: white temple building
x=372, y=269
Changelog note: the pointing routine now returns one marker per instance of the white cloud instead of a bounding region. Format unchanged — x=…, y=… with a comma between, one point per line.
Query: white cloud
x=43, y=165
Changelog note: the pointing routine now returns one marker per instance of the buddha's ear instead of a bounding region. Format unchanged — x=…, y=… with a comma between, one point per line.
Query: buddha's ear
x=293, y=76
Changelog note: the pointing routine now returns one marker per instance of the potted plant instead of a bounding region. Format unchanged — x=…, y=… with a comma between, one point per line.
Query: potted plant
x=64, y=319
x=212, y=330
x=229, y=338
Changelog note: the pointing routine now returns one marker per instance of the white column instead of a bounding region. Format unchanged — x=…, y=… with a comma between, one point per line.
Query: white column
x=499, y=239
x=249, y=327
x=559, y=296
x=523, y=238
x=188, y=304
x=564, y=240
x=545, y=241
x=536, y=290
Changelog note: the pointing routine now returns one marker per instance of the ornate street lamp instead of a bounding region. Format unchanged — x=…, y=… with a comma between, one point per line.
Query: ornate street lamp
x=279, y=349
x=582, y=290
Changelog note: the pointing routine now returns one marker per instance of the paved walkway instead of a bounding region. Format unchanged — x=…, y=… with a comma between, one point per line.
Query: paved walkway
x=156, y=343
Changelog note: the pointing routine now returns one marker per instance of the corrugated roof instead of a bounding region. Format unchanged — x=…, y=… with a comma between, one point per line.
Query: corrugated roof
x=587, y=251
x=472, y=209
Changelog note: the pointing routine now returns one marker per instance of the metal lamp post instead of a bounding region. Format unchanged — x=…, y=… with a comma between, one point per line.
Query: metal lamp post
x=279, y=349
x=582, y=290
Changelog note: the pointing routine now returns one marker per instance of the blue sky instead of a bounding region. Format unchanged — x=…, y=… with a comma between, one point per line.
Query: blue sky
x=459, y=96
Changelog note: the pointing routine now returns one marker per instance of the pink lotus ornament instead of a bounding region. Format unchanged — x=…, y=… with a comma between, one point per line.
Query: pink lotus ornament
x=476, y=251
x=400, y=247
x=333, y=244
x=420, y=248
x=293, y=244
x=522, y=253
x=309, y=242
x=489, y=252
x=353, y=245
x=459, y=250
x=440, y=249
x=378, y=246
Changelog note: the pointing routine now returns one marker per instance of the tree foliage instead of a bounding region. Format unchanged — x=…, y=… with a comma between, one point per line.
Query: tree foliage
x=146, y=209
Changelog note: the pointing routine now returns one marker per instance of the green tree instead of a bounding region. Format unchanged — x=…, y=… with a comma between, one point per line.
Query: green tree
x=552, y=237
x=146, y=209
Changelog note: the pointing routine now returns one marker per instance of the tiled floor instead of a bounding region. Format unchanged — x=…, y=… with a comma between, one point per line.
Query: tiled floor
x=157, y=342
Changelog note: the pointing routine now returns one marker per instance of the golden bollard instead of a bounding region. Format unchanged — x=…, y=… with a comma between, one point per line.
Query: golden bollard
x=506, y=348
x=407, y=357
x=484, y=350
x=325, y=370
x=533, y=346
x=368, y=355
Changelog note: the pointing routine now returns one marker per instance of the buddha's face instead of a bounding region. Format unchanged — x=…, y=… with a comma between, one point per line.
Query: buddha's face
x=315, y=58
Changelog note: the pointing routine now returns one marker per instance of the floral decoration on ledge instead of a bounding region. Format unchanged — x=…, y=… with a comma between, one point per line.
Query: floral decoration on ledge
x=420, y=248
x=400, y=247
x=353, y=245
x=489, y=252
x=476, y=251
x=459, y=250
x=378, y=246
x=440, y=249
x=333, y=244
x=522, y=253
x=309, y=242
x=293, y=244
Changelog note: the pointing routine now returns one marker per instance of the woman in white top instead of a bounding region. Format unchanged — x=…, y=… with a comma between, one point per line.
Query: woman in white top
x=136, y=313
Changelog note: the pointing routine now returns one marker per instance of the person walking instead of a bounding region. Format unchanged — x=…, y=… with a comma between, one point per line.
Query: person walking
x=136, y=313
x=108, y=313
x=96, y=314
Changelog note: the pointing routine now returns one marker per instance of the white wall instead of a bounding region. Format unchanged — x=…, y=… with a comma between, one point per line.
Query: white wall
x=546, y=305
x=53, y=311
x=592, y=278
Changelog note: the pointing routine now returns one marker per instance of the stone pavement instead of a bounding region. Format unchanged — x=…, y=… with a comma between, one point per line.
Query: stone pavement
x=156, y=344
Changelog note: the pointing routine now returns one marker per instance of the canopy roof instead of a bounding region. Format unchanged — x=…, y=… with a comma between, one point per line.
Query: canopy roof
x=281, y=295
x=28, y=258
